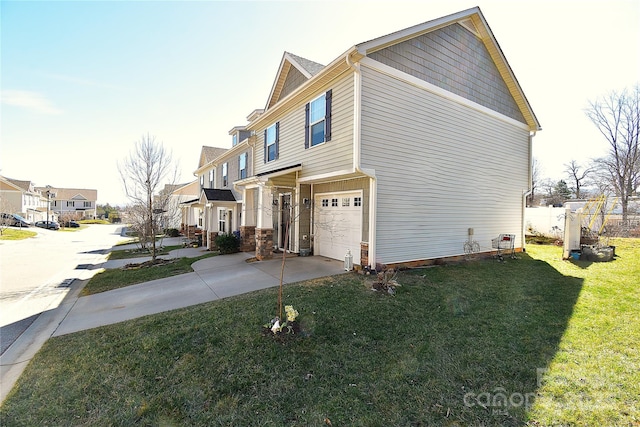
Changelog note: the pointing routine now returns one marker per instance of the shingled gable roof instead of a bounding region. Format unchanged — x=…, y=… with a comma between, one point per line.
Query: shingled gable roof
x=208, y=154
x=306, y=67
x=216, y=195
x=474, y=21
x=26, y=186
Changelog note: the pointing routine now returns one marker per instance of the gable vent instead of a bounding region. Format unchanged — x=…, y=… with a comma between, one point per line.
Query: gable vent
x=469, y=25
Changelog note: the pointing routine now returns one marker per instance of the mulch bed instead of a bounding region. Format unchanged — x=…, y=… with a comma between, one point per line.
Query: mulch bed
x=148, y=264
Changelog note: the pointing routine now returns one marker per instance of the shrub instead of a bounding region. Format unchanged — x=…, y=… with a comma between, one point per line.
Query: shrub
x=228, y=243
x=172, y=232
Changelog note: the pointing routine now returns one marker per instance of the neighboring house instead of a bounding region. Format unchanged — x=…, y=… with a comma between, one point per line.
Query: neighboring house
x=219, y=205
x=192, y=219
x=71, y=203
x=22, y=198
x=179, y=194
x=393, y=151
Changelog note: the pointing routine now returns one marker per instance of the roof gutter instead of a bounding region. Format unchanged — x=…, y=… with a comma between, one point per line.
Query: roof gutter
x=357, y=149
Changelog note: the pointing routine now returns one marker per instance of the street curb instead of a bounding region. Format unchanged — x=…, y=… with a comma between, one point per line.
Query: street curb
x=16, y=358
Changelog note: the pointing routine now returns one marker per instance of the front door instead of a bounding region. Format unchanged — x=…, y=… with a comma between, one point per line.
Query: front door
x=285, y=221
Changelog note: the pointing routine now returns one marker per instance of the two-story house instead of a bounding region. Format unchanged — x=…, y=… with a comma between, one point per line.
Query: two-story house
x=218, y=208
x=71, y=203
x=394, y=151
x=21, y=197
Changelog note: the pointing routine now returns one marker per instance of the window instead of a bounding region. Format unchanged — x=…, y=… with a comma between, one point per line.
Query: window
x=318, y=120
x=234, y=140
x=225, y=176
x=357, y=201
x=222, y=220
x=87, y=204
x=271, y=139
x=71, y=204
x=201, y=181
x=325, y=203
x=346, y=201
x=242, y=166
x=334, y=203
x=211, y=178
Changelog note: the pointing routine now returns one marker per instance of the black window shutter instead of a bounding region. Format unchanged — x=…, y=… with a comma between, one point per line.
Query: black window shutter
x=277, y=139
x=306, y=126
x=327, y=118
x=265, y=146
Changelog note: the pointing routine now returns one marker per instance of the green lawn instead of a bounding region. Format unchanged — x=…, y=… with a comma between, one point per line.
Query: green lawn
x=535, y=340
x=16, y=234
x=117, y=278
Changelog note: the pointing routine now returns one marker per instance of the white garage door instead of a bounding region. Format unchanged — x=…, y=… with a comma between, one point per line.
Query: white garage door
x=338, y=225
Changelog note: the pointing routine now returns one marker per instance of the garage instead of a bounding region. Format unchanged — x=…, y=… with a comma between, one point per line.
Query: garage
x=338, y=225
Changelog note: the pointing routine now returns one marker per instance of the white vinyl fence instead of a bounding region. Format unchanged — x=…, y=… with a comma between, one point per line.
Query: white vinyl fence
x=548, y=221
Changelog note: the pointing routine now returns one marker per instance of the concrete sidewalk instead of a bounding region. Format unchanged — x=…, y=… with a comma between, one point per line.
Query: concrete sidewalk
x=213, y=278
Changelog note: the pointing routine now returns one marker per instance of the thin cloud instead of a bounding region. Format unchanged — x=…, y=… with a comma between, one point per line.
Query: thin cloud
x=81, y=81
x=32, y=101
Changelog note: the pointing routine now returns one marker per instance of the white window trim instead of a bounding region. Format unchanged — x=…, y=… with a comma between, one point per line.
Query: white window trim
x=323, y=119
x=267, y=144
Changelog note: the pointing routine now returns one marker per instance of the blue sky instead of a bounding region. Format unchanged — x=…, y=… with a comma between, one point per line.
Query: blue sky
x=82, y=81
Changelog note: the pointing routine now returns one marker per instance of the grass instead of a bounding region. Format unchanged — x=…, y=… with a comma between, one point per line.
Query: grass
x=136, y=253
x=117, y=278
x=536, y=340
x=94, y=221
x=16, y=234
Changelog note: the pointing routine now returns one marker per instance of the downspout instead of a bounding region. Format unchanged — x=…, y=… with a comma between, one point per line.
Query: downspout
x=357, y=147
x=528, y=192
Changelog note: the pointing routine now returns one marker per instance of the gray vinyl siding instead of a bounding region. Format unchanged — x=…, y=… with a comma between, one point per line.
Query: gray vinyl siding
x=350, y=185
x=333, y=155
x=456, y=60
x=233, y=172
x=451, y=167
x=294, y=79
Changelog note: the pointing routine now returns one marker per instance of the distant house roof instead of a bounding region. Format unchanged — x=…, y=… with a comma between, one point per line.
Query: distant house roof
x=26, y=186
x=208, y=154
x=190, y=189
x=71, y=193
x=216, y=195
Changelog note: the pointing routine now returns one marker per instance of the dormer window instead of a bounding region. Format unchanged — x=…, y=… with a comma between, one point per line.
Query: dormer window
x=234, y=139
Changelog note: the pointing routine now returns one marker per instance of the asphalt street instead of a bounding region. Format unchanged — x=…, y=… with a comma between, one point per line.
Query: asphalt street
x=35, y=273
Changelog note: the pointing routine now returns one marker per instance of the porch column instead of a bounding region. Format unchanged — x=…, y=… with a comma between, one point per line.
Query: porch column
x=248, y=221
x=264, y=224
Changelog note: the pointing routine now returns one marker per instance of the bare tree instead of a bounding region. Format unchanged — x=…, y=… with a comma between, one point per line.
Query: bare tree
x=578, y=177
x=148, y=167
x=536, y=176
x=617, y=117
